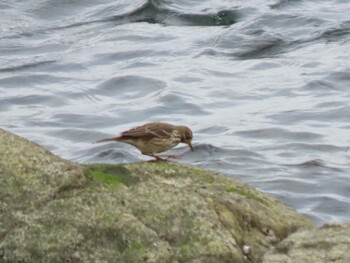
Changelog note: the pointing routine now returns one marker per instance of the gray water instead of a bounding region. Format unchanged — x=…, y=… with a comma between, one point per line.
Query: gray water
x=264, y=85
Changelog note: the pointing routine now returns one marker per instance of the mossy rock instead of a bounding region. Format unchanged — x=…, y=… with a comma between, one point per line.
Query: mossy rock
x=53, y=210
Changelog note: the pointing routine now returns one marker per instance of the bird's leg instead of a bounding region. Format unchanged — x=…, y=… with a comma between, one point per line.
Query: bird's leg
x=166, y=156
x=171, y=156
x=154, y=156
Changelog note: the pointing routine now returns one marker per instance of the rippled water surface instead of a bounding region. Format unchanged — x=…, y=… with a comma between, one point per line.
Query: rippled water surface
x=265, y=86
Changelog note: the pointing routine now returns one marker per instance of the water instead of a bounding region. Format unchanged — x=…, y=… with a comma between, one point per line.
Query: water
x=263, y=84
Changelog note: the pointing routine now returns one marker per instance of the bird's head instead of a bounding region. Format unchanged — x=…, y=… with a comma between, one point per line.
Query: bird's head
x=186, y=135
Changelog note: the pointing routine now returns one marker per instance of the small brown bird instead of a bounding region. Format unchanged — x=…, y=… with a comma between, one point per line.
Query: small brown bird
x=155, y=137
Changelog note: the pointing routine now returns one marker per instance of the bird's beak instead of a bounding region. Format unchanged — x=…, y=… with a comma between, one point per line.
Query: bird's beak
x=190, y=144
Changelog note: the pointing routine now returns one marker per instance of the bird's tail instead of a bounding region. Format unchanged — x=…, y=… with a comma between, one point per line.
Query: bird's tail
x=109, y=139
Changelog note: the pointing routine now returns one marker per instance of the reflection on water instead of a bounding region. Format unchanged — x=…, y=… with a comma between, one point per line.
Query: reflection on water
x=263, y=84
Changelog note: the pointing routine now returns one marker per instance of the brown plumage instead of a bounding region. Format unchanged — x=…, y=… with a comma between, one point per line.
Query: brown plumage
x=155, y=137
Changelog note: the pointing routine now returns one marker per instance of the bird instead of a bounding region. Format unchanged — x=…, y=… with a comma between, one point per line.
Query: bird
x=155, y=137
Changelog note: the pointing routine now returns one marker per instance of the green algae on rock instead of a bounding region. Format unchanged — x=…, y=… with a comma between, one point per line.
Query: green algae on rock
x=112, y=174
x=53, y=210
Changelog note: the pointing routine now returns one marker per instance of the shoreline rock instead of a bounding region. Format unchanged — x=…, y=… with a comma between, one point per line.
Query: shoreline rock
x=53, y=210
x=329, y=243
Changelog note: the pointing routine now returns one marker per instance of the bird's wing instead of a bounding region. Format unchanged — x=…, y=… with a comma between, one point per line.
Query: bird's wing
x=150, y=131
